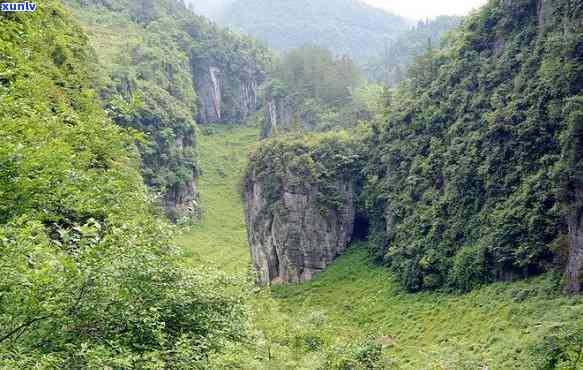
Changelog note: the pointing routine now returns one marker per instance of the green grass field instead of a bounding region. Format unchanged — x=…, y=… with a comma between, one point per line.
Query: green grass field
x=493, y=326
x=220, y=239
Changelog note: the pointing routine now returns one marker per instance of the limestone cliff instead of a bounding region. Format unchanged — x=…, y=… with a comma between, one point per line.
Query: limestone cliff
x=572, y=181
x=300, y=206
x=225, y=97
x=278, y=116
x=208, y=86
x=574, y=270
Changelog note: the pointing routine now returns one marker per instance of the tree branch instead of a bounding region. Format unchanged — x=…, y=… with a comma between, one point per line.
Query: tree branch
x=22, y=327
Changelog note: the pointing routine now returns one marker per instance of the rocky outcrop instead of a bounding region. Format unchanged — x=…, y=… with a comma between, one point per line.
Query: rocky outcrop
x=181, y=200
x=248, y=99
x=293, y=241
x=544, y=12
x=298, y=221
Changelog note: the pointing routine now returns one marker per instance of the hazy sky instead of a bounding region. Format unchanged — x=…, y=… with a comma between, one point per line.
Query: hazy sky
x=421, y=9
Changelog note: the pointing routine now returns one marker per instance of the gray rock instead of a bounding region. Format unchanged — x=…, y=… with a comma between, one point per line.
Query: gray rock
x=574, y=271
x=279, y=116
x=223, y=98
x=296, y=237
x=209, y=89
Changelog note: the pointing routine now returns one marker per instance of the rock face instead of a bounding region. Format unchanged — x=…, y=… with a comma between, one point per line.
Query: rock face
x=300, y=208
x=278, y=116
x=182, y=199
x=292, y=242
x=544, y=12
x=248, y=99
x=224, y=98
x=574, y=271
x=208, y=86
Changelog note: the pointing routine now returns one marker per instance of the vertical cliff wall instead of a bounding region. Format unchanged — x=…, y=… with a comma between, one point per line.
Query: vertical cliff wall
x=574, y=270
x=225, y=97
x=300, y=206
x=467, y=157
x=278, y=116
x=181, y=197
x=208, y=83
x=572, y=192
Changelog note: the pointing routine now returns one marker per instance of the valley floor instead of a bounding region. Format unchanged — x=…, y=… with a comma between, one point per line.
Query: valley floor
x=494, y=327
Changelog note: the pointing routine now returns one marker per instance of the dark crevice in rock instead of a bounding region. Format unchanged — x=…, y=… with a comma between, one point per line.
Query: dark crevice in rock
x=361, y=228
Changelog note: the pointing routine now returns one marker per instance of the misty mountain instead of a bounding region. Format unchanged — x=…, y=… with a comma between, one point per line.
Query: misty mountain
x=347, y=27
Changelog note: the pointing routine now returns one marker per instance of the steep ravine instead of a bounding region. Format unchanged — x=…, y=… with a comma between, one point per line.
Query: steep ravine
x=493, y=325
x=220, y=238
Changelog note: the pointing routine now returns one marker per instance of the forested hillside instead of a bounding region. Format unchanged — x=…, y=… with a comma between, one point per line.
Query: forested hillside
x=310, y=89
x=163, y=69
x=474, y=175
x=347, y=27
x=88, y=275
x=391, y=64
x=465, y=181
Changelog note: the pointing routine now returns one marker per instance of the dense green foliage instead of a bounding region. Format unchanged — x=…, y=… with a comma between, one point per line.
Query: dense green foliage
x=152, y=54
x=348, y=27
x=572, y=165
x=324, y=161
x=475, y=169
x=147, y=85
x=88, y=277
x=391, y=66
x=466, y=170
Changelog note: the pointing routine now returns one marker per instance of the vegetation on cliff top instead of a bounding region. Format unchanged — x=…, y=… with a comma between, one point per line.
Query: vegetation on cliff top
x=323, y=161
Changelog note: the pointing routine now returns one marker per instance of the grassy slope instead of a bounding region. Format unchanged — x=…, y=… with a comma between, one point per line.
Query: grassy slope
x=493, y=325
x=221, y=238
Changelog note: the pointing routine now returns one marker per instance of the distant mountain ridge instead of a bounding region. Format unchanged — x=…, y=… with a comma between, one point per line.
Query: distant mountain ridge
x=347, y=27
x=209, y=8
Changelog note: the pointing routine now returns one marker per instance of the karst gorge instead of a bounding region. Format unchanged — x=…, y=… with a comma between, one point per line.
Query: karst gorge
x=290, y=185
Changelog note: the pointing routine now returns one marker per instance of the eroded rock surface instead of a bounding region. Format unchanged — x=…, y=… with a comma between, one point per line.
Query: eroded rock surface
x=279, y=116
x=292, y=242
x=574, y=270
x=297, y=221
x=225, y=98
